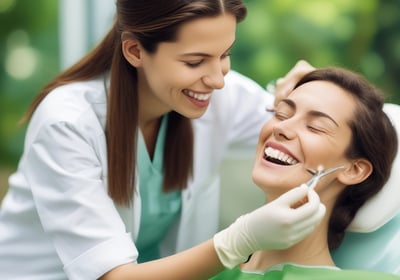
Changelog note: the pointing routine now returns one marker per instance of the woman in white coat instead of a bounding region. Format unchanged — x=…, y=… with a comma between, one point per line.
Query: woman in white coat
x=113, y=164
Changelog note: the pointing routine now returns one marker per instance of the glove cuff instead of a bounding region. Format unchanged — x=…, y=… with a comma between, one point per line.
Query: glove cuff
x=224, y=244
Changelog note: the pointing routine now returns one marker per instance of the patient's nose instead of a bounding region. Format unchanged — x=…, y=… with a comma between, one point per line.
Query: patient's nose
x=284, y=130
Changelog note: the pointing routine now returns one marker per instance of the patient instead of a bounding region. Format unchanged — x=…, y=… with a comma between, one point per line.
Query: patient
x=332, y=118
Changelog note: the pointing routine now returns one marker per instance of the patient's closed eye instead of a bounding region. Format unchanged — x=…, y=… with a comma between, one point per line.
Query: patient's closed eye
x=316, y=128
x=321, y=124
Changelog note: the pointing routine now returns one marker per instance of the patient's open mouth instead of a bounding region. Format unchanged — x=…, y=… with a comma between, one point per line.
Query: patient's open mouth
x=278, y=157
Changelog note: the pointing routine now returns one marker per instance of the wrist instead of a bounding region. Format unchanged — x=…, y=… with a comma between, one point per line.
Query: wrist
x=225, y=244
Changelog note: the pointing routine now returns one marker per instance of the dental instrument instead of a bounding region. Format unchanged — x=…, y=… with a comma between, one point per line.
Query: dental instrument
x=319, y=174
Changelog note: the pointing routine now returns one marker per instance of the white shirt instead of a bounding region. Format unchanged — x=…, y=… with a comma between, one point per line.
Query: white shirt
x=57, y=220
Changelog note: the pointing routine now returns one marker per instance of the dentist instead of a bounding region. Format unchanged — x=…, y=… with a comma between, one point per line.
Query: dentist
x=120, y=165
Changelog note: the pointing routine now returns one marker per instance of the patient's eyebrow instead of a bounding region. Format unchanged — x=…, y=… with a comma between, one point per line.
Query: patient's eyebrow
x=314, y=113
x=321, y=114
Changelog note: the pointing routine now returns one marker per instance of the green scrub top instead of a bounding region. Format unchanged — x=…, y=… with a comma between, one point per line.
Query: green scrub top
x=289, y=271
x=159, y=209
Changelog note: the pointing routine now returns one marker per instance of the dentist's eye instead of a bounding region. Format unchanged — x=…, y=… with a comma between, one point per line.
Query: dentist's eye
x=225, y=55
x=283, y=111
x=193, y=64
x=281, y=117
x=279, y=114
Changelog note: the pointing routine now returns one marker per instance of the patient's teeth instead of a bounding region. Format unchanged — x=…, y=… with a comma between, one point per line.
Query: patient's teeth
x=279, y=155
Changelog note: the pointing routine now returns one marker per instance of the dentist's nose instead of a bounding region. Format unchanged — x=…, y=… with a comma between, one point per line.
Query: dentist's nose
x=215, y=77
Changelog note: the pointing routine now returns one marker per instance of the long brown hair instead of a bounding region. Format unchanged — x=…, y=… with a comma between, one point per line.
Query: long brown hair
x=151, y=22
x=373, y=138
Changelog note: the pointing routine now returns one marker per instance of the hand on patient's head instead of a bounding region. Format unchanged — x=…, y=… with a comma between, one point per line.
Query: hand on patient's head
x=286, y=84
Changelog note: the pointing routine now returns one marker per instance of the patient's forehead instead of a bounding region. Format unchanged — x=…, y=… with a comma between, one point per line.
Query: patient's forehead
x=326, y=97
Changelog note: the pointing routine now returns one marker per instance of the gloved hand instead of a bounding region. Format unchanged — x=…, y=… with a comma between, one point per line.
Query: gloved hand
x=275, y=225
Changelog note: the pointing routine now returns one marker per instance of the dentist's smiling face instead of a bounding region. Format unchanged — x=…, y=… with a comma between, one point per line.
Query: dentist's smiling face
x=181, y=75
x=310, y=128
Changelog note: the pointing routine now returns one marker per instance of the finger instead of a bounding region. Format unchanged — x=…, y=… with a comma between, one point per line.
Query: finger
x=308, y=209
x=301, y=229
x=313, y=196
x=299, y=233
x=286, y=84
x=292, y=196
x=312, y=221
x=300, y=68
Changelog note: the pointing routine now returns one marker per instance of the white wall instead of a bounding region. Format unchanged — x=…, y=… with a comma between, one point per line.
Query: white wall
x=82, y=24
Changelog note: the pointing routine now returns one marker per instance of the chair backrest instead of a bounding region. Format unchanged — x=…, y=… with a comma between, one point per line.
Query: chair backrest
x=373, y=238
x=377, y=251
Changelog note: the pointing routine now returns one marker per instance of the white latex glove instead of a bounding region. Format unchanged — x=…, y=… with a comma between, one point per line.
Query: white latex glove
x=273, y=226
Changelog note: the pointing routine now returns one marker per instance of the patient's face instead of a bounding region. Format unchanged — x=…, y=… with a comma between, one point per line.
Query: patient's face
x=310, y=128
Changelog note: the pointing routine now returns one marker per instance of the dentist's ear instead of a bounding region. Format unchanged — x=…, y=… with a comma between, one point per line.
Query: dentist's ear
x=131, y=49
x=357, y=172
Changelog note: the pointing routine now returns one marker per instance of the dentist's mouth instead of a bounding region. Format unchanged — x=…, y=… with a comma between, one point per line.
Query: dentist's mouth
x=278, y=157
x=197, y=96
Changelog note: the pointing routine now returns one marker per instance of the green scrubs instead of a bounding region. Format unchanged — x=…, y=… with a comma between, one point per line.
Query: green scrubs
x=159, y=209
x=289, y=271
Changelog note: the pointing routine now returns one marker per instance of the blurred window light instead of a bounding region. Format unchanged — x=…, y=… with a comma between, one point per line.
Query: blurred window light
x=21, y=59
x=21, y=62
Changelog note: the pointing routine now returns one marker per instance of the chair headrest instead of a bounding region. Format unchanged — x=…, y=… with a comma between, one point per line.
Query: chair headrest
x=386, y=204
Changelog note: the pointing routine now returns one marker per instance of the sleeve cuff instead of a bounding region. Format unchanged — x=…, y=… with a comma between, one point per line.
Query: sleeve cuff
x=102, y=258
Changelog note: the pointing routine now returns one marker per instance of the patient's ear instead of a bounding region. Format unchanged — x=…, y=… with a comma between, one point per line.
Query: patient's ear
x=132, y=49
x=356, y=172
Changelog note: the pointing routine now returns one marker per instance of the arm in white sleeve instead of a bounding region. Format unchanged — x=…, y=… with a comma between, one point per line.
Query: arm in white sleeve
x=274, y=225
x=68, y=185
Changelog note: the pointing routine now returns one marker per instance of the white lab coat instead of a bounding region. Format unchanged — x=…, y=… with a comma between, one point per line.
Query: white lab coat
x=58, y=222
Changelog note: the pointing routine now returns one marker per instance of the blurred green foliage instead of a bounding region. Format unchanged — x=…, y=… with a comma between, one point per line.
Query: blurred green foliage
x=363, y=35
x=28, y=58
